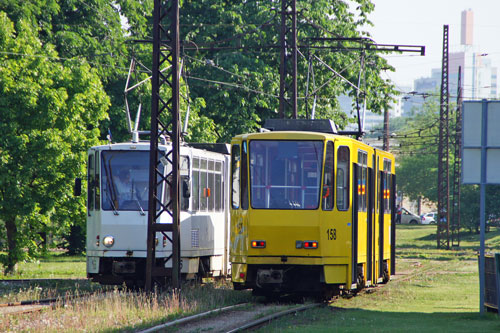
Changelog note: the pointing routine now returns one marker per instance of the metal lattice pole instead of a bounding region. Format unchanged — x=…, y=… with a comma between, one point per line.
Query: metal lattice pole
x=457, y=168
x=288, y=61
x=443, y=222
x=164, y=123
x=386, y=130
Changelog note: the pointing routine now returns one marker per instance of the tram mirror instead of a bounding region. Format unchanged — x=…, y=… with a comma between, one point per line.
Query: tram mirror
x=186, y=188
x=77, y=189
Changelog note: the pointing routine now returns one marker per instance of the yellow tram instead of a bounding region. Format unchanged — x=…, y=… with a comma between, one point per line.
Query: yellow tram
x=312, y=211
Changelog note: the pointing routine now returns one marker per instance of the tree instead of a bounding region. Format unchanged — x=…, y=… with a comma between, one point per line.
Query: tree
x=229, y=92
x=241, y=86
x=51, y=109
x=418, y=153
x=417, y=166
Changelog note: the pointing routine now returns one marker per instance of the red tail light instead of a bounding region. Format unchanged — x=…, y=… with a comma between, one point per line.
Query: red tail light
x=258, y=244
x=310, y=244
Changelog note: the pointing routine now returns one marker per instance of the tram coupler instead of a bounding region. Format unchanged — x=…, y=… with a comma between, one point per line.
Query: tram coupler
x=267, y=276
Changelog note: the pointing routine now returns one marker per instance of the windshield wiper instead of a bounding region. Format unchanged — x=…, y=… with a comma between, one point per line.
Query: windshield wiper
x=140, y=207
x=111, y=187
x=113, y=205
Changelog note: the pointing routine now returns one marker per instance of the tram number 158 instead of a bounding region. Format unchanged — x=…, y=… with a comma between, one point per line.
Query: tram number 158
x=331, y=234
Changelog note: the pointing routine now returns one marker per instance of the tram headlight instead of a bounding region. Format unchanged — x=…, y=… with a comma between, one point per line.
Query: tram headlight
x=108, y=241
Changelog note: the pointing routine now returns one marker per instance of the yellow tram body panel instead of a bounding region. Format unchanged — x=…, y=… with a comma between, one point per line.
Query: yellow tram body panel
x=345, y=224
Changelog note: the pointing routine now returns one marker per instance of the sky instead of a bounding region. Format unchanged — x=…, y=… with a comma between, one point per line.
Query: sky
x=420, y=22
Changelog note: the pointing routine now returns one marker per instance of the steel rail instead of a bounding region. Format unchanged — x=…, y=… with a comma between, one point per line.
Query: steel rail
x=189, y=319
x=266, y=319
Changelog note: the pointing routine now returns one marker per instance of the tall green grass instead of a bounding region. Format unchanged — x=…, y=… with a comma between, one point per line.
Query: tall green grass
x=123, y=311
x=433, y=291
x=55, y=265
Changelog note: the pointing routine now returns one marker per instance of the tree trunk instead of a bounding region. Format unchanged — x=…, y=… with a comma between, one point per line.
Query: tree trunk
x=13, y=254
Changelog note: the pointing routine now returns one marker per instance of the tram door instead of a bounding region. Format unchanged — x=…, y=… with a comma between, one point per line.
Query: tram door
x=371, y=216
x=381, y=235
x=360, y=242
x=393, y=225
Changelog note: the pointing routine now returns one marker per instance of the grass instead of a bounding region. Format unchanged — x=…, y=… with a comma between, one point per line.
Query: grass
x=55, y=265
x=434, y=291
x=67, y=274
x=123, y=311
x=120, y=311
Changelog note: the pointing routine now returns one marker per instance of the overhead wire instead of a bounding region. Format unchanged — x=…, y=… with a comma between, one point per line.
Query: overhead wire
x=233, y=85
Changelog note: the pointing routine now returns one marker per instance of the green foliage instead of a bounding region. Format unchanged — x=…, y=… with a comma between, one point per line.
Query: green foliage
x=48, y=110
x=417, y=160
x=63, y=69
x=243, y=85
x=417, y=167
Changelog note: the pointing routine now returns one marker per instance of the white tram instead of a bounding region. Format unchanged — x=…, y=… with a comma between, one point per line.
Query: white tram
x=117, y=206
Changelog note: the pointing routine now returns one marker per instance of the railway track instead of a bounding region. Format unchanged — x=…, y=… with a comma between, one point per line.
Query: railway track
x=30, y=306
x=234, y=318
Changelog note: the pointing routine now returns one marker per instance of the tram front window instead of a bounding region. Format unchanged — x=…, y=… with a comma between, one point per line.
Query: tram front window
x=125, y=180
x=285, y=174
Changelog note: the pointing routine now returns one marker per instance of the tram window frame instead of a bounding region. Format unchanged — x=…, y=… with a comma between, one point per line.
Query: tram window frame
x=90, y=182
x=328, y=197
x=342, y=173
x=218, y=186
x=97, y=187
x=203, y=185
x=195, y=184
x=244, y=176
x=362, y=180
x=235, y=176
x=184, y=173
x=387, y=186
x=211, y=185
x=207, y=184
x=278, y=165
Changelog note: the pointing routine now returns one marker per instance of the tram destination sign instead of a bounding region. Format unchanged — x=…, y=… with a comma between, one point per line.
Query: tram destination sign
x=481, y=142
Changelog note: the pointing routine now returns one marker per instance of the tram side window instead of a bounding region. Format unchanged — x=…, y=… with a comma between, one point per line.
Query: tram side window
x=211, y=185
x=207, y=185
x=204, y=191
x=343, y=161
x=196, y=184
x=90, y=182
x=97, y=190
x=387, y=186
x=244, y=176
x=362, y=180
x=328, y=177
x=218, y=186
x=184, y=172
x=235, y=176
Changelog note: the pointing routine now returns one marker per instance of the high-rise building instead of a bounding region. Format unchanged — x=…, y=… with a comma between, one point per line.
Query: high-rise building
x=479, y=76
x=467, y=26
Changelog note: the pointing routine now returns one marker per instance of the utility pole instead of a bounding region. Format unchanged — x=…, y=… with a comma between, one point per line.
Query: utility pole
x=166, y=50
x=457, y=168
x=386, y=130
x=443, y=222
x=288, y=60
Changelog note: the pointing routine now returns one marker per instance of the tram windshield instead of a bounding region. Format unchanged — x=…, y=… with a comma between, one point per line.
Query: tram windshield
x=285, y=174
x=125, y=180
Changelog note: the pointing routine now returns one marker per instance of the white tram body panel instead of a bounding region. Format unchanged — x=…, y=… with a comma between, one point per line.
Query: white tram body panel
x=118, y=184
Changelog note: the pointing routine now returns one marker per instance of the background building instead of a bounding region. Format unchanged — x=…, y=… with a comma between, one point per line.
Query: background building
x=479, y=76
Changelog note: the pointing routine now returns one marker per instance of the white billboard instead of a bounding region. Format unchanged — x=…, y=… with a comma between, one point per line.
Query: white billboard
x=481, y=142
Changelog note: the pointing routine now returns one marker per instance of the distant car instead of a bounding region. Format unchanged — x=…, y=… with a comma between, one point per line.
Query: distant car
x=408, y=217
x=429, y=218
